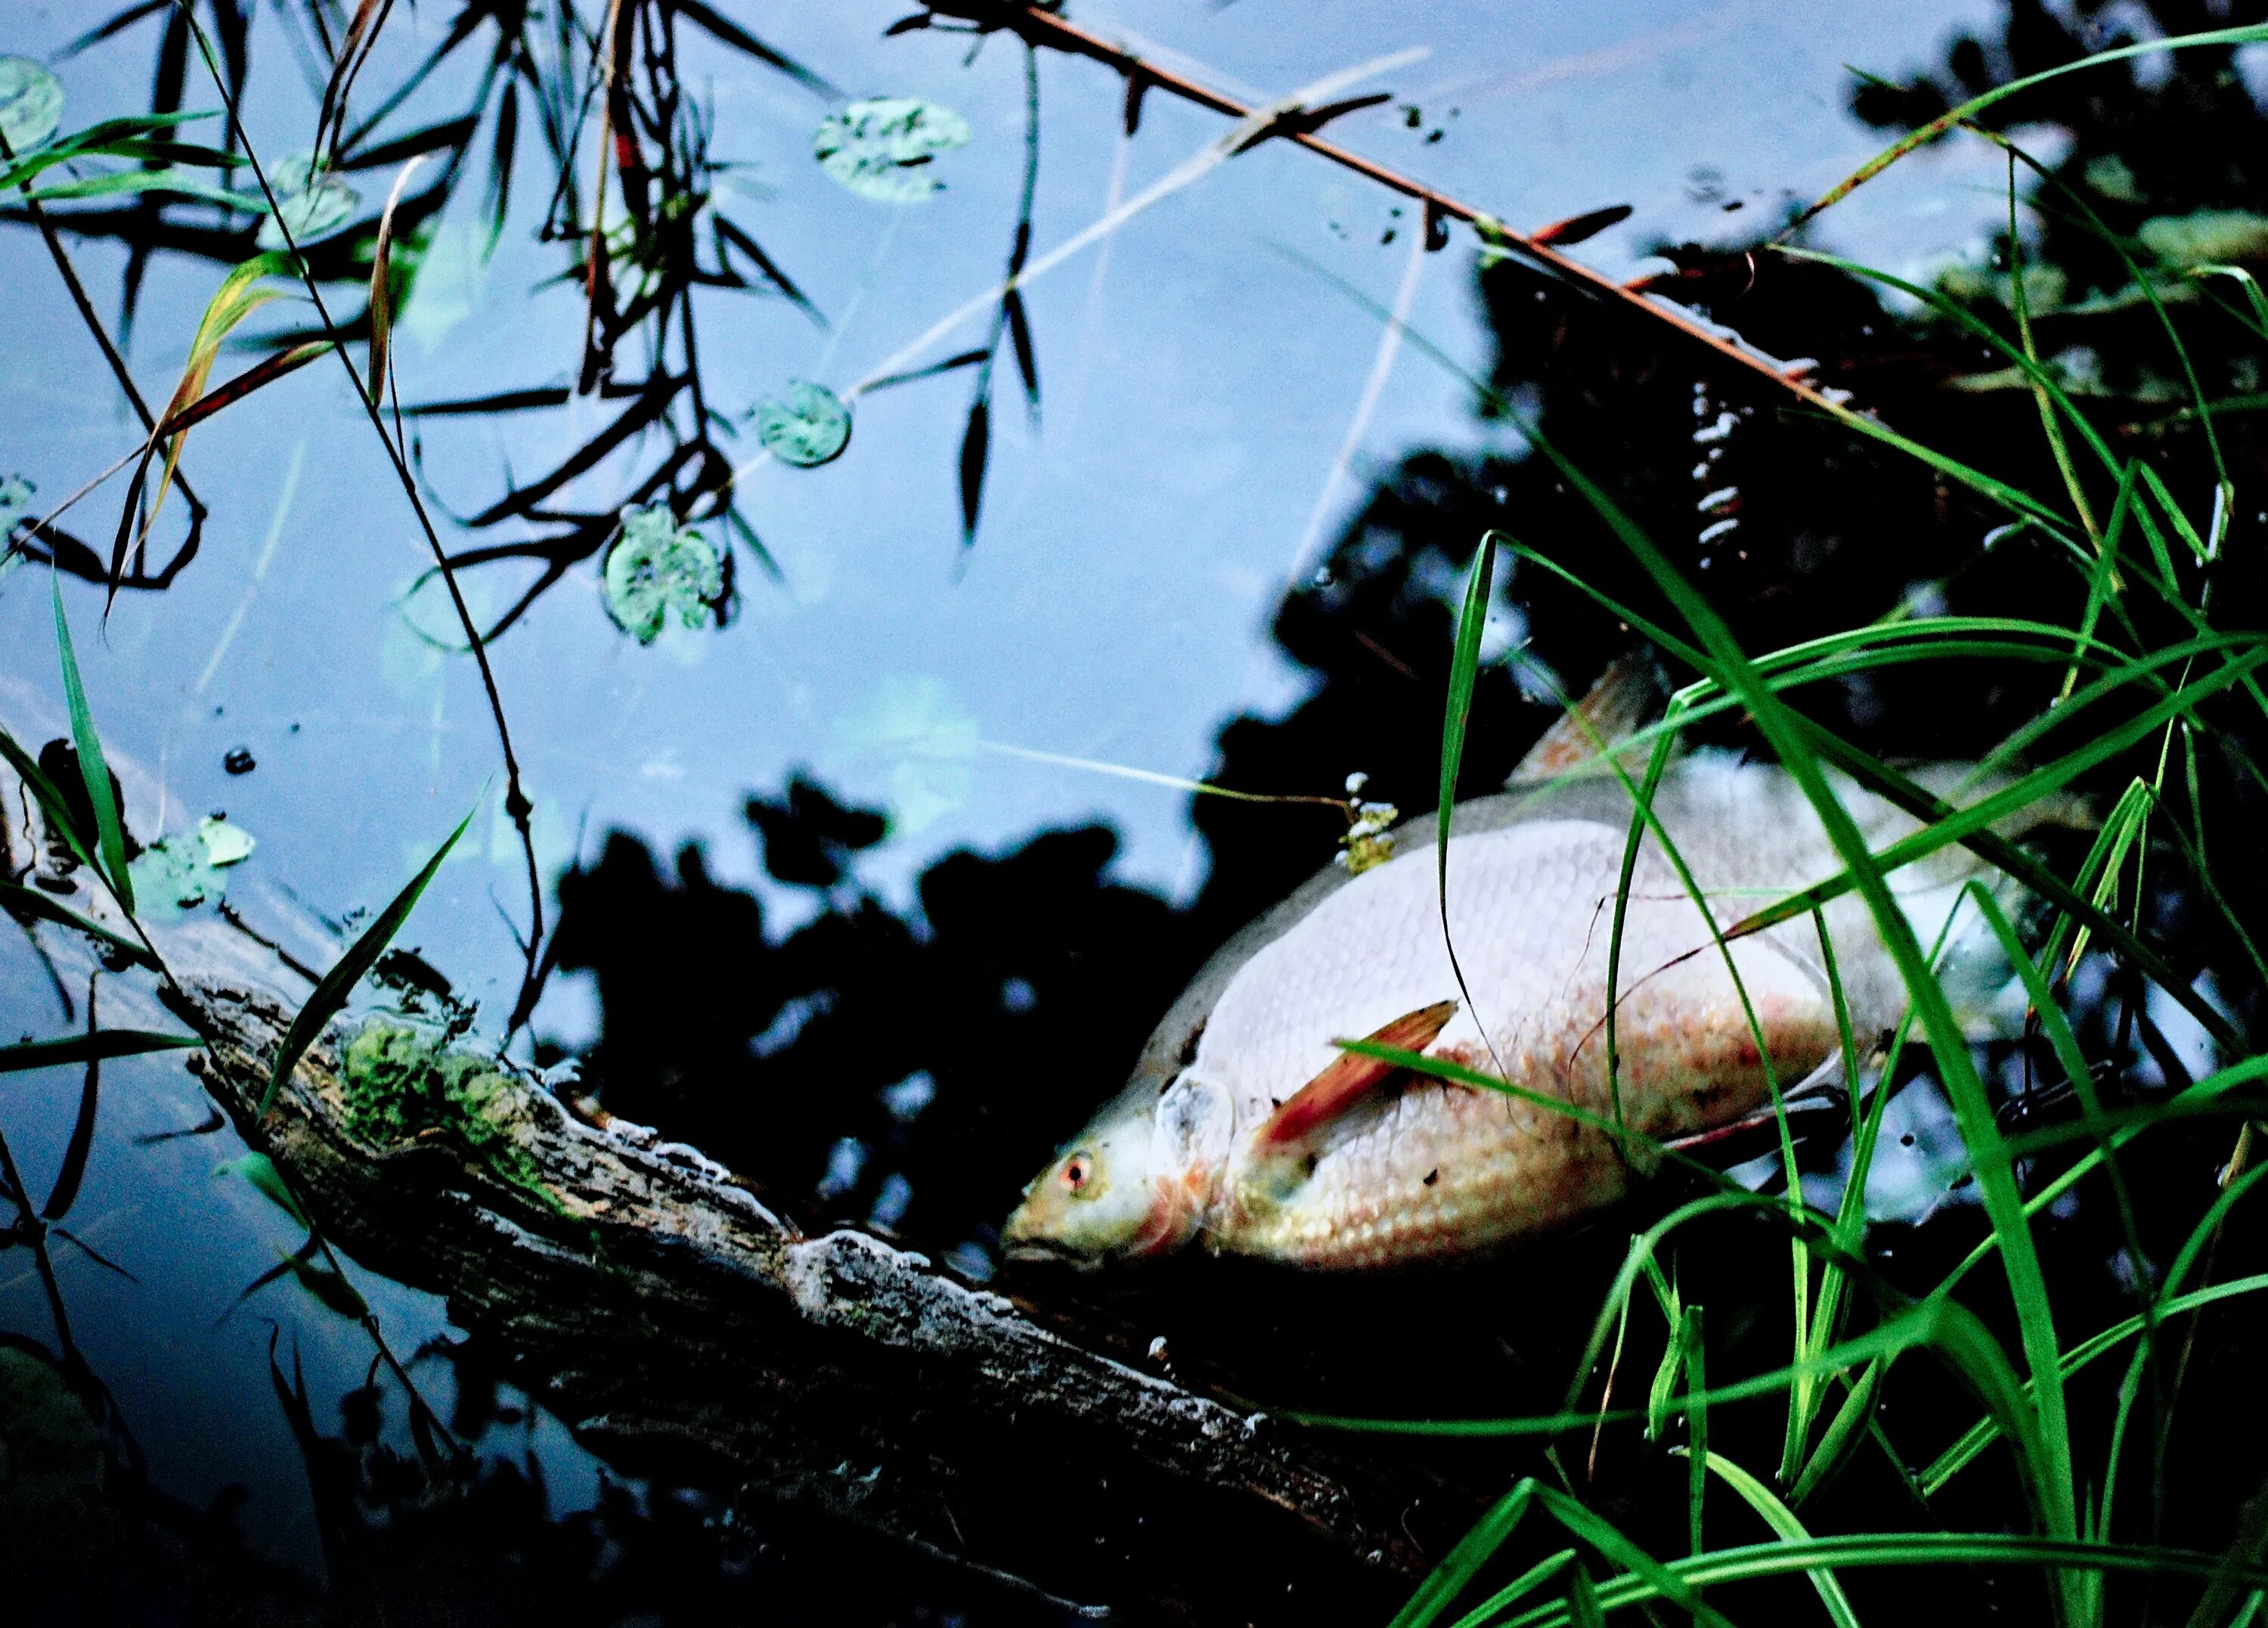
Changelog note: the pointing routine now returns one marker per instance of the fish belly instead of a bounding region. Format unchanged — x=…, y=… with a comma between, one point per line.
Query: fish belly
x=1435, y=1168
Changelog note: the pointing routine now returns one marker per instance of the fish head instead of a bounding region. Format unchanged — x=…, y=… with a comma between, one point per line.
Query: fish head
x=1137, y=1181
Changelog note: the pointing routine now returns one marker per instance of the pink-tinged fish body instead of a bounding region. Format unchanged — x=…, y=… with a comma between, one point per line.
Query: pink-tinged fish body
x=1245, y=1132
x=1431, y=1167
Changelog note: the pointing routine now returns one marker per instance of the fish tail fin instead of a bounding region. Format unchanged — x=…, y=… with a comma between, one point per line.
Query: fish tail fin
x=1626, y=697
x=1981, y=983
x=1964, y=783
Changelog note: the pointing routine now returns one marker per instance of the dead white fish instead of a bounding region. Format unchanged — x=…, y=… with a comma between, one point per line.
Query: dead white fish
x=1248, y=1130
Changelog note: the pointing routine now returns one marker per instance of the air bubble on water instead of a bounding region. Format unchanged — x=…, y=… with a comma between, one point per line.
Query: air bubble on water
x=890, y=1203
x=846, y=1161
x=909, y=1095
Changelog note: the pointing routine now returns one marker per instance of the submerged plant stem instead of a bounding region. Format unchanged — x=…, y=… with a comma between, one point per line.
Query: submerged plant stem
x=516, y=802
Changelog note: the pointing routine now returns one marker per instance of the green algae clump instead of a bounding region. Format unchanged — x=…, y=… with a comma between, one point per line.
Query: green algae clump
x=401, y=1082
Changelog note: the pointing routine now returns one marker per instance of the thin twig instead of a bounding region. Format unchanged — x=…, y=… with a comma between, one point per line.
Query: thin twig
x=586, y=374
x=516, y=802
x=25, y=537
x=1040, y=26
x=94, y=325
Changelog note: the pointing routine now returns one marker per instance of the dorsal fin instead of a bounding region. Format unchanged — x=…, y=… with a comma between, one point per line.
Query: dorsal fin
x=1623, y=702
x=1349, y=1078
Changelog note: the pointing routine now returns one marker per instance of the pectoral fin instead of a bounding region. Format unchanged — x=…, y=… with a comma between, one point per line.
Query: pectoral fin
x=1348, y=1080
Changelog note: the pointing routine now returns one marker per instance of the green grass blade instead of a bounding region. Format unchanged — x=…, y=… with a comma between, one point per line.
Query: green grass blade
x=110, y=831
x=2018, y=357
x=1447, y=1579
x=1641, y=810
x=2041, y=380
x=1464, y=672
x=1457, y=1073
x=1843, y=1431
x=2100, y=871
x=20, y=901
x=1640, y=1259
x=99, y=1047
x=2103, y=582
x=2120, y=1129
x=1519, y=1589
x=2048, y=423
x=147, y=181
x=1696, y=1435
x=2015, y=499
x=1970, y=109
x=127, y=137
x=1782, y=1520
x=2139, y=671
x=260, y=1170
x=1782, y=1558
x=2251, y=286
x=1850, y=1233
x=330, y=996
x=1963, y=1452
x=1582, y=1599
x=1643, y=816
x=2200, y=1238
x=1602, y=1535
x=2073, y=1062
x=2093, y=224
x=2041, y=783
x=2046, y=781
x=1938, y=1323
x=1880, y=778
x=1815, y=1320
x=2037, y=879
x=2047, y=1479
x=57, y=811
x=2180, y=521
x=1675, y=1355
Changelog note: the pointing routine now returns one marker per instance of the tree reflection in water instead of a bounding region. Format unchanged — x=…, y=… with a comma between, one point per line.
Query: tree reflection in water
x=909, y=1069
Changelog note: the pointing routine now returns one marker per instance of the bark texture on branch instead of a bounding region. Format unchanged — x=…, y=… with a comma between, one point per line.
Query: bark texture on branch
x=675, y=1321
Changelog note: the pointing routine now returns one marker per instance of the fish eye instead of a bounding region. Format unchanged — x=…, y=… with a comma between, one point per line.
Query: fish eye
x=1078, y=1171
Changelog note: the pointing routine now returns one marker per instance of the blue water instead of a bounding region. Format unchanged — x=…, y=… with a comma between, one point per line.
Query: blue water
x=1212, y=411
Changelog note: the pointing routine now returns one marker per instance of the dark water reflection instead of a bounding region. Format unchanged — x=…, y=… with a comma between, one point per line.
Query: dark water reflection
x=812, y=919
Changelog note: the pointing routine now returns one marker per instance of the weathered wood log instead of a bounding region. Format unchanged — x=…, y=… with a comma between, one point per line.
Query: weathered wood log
x=674, y=1320
x=679, y=1325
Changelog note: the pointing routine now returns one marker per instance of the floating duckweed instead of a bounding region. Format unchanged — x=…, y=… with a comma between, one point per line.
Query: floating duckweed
x=2114, y=177
x=400, y=1082
x=312, y=204
x=2044, y=285
x=881, y=148
x=658, y=567
x=2207, y=237
x=181, y=871
x=807, y=427
x=31, y=102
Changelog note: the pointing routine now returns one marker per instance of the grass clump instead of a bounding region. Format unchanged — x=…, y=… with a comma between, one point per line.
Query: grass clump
x=401, y=1083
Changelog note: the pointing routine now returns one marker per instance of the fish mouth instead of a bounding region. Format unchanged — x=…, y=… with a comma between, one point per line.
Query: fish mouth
x=1048, y=1250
